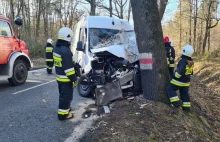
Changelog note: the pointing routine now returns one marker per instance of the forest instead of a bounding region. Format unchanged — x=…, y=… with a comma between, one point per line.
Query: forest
x=195, y=21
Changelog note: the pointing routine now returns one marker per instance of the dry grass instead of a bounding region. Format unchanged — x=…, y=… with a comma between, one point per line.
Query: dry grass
x=38, y=62
x=159, y=122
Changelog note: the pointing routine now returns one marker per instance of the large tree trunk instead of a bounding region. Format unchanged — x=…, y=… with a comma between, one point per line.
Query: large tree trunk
x=149, y=34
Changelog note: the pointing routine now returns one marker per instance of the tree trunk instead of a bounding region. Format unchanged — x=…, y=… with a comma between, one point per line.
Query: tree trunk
x=162, y=7
x=46, y=23
x=93, y=7
x=12, y=10
x=38, y=19
x=110, y=8
x=195, y=23
x=149, y=34
x=180, y=39
x=121, y=10
x=129, y=10
x=190, y=23
x=209, y=41
x=205, y=37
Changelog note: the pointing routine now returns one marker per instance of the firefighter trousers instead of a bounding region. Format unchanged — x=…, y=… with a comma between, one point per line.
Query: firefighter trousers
x=184, y=96
x=65, y=99
x=49, y=67
x=171, y=71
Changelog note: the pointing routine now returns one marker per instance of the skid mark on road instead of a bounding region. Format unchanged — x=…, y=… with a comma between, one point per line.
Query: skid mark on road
x=33, y=87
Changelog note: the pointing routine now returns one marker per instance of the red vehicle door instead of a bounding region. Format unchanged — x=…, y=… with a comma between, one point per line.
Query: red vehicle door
x=8, y=42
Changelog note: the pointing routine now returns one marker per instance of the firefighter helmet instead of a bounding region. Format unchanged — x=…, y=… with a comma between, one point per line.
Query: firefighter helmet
x=166, y=39
x=187, y=50
x=65, y=34
x=50, y=41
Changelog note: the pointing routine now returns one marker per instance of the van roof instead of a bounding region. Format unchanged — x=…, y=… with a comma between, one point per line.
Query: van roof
x=106, y=23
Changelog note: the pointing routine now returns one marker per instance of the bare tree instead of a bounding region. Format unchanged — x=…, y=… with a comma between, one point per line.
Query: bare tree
x=120, y=6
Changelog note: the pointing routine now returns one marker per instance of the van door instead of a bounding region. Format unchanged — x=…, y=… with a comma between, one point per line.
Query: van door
x=6, y=41
x=81, y=55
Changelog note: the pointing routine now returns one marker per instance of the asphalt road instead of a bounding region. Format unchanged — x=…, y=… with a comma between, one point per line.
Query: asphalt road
x=28, y=113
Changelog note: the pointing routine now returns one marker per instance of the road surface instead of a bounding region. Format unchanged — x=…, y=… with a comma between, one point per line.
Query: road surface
x=28, y=113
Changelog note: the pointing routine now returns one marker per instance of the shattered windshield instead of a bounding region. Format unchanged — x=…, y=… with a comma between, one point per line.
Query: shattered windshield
x=103, y=37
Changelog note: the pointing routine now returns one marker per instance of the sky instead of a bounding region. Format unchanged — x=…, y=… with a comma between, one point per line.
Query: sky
x=170, y=11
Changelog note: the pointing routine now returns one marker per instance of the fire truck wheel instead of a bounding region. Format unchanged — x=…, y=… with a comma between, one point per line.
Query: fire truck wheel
x=20, y=73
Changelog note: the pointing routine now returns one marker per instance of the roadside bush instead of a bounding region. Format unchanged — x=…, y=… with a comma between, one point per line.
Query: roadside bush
x=37, y=50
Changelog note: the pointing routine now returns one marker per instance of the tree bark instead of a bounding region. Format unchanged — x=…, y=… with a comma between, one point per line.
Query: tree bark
x=162, y=7
x=93, y=7
x=190, y=23
x=195, y=23
x=180, y=39
x=149, y=35
x=205, y=37
x=129, y=10
x=110, y=8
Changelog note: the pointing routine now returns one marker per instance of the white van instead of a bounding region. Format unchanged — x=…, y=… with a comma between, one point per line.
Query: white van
x=96, y=34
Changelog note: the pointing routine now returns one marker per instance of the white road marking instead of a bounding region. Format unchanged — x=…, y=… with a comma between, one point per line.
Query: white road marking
x=85, y=124
x=33, y=87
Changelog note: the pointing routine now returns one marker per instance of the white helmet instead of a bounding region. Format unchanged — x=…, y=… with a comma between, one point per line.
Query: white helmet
x=50, y=41
x=187, y=50
x=65, y=34
x=171, y=43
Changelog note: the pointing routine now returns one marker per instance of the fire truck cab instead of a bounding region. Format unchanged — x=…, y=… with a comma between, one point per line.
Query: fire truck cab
x=14, y=55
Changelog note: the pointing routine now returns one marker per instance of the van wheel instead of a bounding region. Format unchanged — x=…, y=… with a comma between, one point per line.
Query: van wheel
x=20, y=73
x=84, y=90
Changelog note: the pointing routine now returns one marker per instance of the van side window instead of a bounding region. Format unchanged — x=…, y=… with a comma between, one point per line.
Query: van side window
x=5, y=29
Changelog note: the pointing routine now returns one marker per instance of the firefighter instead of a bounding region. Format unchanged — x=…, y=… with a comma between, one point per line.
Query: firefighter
x=49, y=55
x=181, y=80
x=170, y=53
x=65, y=72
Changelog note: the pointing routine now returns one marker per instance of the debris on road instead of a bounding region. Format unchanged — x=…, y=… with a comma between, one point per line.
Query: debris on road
x=87, y=114
x=106, y=109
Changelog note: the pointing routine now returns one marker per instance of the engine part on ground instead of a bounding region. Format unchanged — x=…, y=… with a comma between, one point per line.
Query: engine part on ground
x=108, y=93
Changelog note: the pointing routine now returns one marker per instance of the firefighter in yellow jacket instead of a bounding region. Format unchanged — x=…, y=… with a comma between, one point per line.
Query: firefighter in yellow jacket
x=49, y=55
x=65, y=72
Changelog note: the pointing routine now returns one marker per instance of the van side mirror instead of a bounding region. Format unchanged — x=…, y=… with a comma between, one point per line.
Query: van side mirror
x=79, y=46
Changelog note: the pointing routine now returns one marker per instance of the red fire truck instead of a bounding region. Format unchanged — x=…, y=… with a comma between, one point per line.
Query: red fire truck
x=14, y=55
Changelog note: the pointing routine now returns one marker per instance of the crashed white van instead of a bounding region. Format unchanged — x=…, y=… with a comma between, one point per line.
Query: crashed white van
x=98, y=39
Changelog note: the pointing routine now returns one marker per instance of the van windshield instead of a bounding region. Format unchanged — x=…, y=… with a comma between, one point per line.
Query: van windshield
x=99, y=38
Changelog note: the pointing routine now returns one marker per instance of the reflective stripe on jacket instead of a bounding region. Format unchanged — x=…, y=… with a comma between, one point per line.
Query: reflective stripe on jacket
x=49, y=52
x=183, y=72
x=64, y=66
